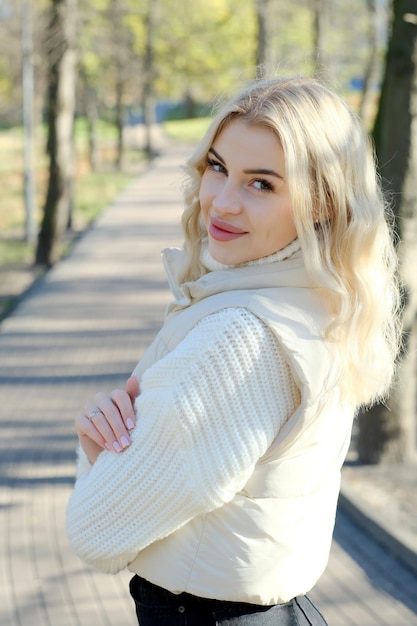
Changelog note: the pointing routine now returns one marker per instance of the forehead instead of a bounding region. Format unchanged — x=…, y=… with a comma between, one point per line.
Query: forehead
x=240, y=140
x=238, y=126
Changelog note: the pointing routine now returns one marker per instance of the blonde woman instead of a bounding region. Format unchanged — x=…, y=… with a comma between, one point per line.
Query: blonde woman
x=219, y=490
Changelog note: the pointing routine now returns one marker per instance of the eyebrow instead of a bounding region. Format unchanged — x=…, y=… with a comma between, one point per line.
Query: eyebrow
x=261, y=170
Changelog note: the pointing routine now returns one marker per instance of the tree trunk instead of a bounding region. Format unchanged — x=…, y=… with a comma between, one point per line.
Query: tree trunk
x=147, y=93
x=91, y=114
x=28, y=121
x=61, y=107
x=371, y=65
x=190, y=106
x=320, y=58
x=120, y=45
x=120, y=113
x=263, y=42
x=395, y=135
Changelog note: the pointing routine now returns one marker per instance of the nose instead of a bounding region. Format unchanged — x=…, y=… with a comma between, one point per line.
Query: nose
x=226, y=199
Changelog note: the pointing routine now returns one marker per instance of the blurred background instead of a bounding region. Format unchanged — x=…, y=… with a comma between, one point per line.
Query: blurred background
x=89, y=87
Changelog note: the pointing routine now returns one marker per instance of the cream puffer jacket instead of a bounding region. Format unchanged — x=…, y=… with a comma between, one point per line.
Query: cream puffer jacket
x=254, y=528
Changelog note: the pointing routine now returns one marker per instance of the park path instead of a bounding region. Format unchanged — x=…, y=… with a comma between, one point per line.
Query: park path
x=81, y=329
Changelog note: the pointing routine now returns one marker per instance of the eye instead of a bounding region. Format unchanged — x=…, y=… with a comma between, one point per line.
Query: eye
x=215, y=166
x=260, y=184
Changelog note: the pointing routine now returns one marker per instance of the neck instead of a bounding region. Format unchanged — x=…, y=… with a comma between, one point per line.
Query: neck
x=212, y=265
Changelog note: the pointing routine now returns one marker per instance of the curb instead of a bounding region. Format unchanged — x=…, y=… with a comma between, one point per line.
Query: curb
x=401, y=543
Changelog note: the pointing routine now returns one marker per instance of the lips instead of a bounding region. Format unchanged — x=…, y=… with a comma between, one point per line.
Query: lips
x=223, y=231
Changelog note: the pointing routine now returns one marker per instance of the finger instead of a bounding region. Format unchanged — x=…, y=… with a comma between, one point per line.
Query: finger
x=109, y=423
x=86, y=429
x=123, y=401
x=132, y=388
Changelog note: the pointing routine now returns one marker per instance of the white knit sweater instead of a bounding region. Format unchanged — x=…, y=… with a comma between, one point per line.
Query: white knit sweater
x=206, y=413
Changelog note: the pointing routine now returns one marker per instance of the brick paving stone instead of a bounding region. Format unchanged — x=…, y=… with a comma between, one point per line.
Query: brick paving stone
x=363, y=584
x=82, y=329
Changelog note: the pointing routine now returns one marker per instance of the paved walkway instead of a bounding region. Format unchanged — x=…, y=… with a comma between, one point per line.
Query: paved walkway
x=82, y=329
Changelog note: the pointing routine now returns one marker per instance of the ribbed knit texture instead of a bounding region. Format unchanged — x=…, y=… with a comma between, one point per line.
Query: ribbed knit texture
x=212, y=265
x=206, y=413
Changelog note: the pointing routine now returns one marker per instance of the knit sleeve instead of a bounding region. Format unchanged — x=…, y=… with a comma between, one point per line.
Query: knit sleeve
x=206, y=413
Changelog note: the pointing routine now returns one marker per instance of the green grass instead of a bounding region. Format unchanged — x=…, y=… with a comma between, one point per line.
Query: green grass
x=93, y=190
x=105, y=130
x=14, y=251
x=93, y=193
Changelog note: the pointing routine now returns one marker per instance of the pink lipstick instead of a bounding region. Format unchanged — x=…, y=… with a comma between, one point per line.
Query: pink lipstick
x=223, y=231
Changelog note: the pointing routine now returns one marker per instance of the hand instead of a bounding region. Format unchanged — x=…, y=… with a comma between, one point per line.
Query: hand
x=106, y=422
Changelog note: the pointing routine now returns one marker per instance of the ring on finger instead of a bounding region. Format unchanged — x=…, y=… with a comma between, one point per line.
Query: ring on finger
x=91, y=414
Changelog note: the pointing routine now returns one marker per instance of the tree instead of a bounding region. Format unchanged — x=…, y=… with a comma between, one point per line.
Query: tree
x=148, y=76
x=121, y=49
x=203, y=49
x=320, y=56
x=10, y=62
x=370, y=66
x=389, y=433
x=94, y=33
x=28, y=120
x=263, y=50
x=62, y=56
x=90, y=109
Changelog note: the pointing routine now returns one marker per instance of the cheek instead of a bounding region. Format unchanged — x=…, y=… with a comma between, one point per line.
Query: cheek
x=282, y=223
x=204, y=197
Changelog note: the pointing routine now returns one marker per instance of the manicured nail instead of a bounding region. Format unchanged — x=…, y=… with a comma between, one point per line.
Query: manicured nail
x=124, y=441
x=129, y=423
x=116, y=446
x=108, y=447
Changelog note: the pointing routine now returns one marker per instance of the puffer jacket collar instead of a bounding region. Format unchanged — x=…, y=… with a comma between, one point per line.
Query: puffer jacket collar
x=289, y=272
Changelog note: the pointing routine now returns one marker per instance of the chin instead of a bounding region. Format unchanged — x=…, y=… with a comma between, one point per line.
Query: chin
x=224, y=259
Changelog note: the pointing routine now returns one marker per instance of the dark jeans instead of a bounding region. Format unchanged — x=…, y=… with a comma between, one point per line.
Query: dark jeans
x=157, y=607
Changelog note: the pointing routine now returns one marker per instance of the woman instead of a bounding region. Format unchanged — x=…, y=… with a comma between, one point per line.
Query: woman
x=219, y=493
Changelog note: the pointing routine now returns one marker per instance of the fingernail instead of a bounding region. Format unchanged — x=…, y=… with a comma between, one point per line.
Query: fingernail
x=108, y=447
x=124, y=441
x=129, y=423
x=116, y=446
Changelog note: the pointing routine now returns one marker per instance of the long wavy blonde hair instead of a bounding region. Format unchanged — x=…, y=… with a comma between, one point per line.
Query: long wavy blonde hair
x=342, y=219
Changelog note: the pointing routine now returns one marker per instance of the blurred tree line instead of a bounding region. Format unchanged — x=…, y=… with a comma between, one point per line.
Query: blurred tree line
x=199, y=49
x=110, y=58
x=114, y=59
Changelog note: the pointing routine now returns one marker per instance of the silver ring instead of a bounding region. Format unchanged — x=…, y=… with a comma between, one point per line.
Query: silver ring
x=93, y=412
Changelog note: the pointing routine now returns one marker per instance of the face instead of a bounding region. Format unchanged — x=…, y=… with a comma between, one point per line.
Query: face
x=244, y=197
